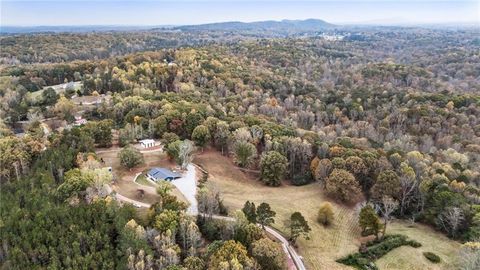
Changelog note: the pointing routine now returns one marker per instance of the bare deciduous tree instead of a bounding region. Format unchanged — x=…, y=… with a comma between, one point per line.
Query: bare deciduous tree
x=166, y=248
x=190, y=236
x=386, y=207
x=408, y=188
x=207, y=202
x=185, y=153
x=451, y=220
x=141, y=261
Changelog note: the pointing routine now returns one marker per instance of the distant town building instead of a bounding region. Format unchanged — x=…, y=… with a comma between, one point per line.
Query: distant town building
x=158, y=174
x=333, y=37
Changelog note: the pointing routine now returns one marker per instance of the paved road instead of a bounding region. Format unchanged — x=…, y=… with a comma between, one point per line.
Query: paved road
x=188, y=186
x=286, y=245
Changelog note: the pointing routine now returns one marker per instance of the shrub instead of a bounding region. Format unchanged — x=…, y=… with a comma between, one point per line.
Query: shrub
x=212, y=229
x=302, y=179
x=130, y=157
x=434, y=258
x=414, y=244
x=325, y=214
x=356, y=260
x=375, y=250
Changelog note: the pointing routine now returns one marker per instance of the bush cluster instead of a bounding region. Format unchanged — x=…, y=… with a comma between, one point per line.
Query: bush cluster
x=375, y=250
x=434, y=258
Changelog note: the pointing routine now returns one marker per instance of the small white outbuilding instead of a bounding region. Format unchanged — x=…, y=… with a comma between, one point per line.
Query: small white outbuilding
x=147, y=143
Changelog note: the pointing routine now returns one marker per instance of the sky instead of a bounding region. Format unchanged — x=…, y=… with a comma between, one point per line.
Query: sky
x=182, y=12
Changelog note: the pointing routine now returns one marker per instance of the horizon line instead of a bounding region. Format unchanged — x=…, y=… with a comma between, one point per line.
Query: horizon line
x=340, y=23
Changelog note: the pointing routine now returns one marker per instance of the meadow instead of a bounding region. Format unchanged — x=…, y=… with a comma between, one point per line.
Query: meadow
x=326, y=244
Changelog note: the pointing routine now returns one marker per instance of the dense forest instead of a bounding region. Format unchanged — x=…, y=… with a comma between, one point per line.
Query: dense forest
x=384, y=116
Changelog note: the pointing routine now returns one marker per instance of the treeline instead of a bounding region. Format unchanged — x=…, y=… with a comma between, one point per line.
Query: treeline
x=58, y=213
x=66, y=47
x=38, y=229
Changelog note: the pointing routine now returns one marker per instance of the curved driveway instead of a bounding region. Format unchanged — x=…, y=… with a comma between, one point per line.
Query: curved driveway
x=188, y=186
x=288, y=249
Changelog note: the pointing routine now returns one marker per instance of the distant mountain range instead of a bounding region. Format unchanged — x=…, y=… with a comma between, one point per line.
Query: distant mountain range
x=69, y=28
x=284, y=26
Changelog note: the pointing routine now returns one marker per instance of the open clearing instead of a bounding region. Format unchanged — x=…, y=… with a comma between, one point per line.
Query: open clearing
x=59, y=88
x=412, y=258
x=124, y=178
x=325, y=244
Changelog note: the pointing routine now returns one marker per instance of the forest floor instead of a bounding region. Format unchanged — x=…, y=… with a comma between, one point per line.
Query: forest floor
x=326, y=244
x=124, y=183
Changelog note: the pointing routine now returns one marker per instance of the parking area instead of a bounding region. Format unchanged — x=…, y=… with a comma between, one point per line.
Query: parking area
x=187, y=185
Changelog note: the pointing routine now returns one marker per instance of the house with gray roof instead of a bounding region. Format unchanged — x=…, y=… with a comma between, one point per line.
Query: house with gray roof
x=158, y=174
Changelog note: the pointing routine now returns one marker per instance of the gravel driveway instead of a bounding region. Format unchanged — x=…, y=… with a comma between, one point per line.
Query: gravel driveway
x=188, y=186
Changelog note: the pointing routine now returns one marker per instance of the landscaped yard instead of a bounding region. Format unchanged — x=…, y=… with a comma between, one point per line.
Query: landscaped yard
x=325, y=244
x=125, y=184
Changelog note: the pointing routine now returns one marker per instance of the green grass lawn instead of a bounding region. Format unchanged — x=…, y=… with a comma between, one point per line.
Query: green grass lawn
x=37, y=95
x=142, y=180
x=412, y=258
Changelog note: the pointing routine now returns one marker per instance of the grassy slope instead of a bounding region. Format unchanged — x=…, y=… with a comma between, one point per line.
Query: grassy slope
x=142, y=180
x=411, y=258
x=326, y=244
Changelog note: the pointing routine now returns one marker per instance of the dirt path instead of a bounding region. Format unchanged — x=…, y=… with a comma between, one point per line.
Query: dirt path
x=122, y=198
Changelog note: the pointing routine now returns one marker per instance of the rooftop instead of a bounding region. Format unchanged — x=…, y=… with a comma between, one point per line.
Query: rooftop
x=163, y=173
